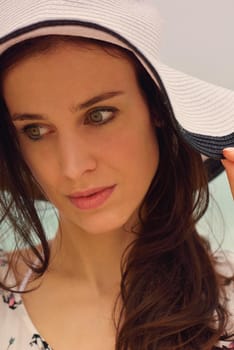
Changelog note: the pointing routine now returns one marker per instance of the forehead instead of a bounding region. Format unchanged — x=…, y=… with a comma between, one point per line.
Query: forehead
x=67, y=73
x=85, y=61
x=80, y=54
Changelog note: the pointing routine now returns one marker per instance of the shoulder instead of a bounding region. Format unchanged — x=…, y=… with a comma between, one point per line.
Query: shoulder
x=7, y=299
x=16, y=331
x=225, y=267
x=6, y=273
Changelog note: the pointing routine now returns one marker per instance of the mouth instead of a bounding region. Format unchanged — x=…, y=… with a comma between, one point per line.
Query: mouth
x=91, y=199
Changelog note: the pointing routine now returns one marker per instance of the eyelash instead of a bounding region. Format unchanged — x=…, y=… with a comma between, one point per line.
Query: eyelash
x=114, y=111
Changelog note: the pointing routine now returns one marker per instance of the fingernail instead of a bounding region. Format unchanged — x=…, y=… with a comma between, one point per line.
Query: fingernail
x=229, y=153
x=229, y=149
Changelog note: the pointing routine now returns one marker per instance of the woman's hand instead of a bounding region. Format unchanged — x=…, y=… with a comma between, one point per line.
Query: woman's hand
x=228, y=163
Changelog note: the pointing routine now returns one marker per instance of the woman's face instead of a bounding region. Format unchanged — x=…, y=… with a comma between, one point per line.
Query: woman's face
x=82, y=124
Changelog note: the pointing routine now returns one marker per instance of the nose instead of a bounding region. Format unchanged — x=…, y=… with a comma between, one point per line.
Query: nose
x=76, y=157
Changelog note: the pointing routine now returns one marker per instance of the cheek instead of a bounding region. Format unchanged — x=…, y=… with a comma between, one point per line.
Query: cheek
x=144, y=158
x=38, y=164
x=134, y=152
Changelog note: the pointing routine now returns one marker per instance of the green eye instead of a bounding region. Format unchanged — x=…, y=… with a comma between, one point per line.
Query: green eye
x=99, y=117
x=34, y=132
x=96, y=116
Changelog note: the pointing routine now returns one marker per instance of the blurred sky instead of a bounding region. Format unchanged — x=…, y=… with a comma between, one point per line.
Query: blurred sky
x=198, y=38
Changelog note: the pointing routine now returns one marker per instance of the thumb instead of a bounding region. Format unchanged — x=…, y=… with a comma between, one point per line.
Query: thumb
x=228, y=164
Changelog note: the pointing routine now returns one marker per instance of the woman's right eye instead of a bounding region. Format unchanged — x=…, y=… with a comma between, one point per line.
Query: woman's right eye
x=35, y=132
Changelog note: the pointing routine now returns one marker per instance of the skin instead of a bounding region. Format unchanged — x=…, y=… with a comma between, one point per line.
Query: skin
x=228, y=163
x=74, y=155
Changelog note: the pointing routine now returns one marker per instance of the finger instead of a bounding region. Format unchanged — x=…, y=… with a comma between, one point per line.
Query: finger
x=229, y=167
x=229, y=153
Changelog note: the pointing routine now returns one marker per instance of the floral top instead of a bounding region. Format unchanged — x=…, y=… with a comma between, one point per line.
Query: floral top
x=17, y=331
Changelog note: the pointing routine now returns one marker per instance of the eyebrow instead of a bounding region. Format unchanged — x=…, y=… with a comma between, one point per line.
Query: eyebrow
x=75, y=108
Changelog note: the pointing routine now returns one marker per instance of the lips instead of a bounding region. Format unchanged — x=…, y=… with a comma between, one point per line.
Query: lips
x=88, y=192
x=92, y=198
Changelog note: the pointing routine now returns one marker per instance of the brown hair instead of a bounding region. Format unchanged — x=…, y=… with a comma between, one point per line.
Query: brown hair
x=170, y=292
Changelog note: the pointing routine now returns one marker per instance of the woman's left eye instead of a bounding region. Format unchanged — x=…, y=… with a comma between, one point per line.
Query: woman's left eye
x=100, y=116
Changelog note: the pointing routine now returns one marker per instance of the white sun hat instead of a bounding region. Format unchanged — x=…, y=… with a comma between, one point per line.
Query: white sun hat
x=203, y=113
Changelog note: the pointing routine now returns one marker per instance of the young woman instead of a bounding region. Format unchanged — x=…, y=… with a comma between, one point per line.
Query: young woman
x=92, y=122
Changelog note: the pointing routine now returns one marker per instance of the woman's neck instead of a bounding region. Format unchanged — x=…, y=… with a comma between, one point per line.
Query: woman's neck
x=93, y=259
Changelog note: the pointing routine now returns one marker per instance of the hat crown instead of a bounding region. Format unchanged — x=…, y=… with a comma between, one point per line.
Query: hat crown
x=138, y=21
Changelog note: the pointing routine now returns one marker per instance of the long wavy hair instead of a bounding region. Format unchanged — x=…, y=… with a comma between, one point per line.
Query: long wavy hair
x=170, y=292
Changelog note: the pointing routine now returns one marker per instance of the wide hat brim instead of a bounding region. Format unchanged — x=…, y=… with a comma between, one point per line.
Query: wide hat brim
x=202, y=112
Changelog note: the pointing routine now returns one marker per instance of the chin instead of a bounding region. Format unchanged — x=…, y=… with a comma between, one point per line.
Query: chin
x=100, y=223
